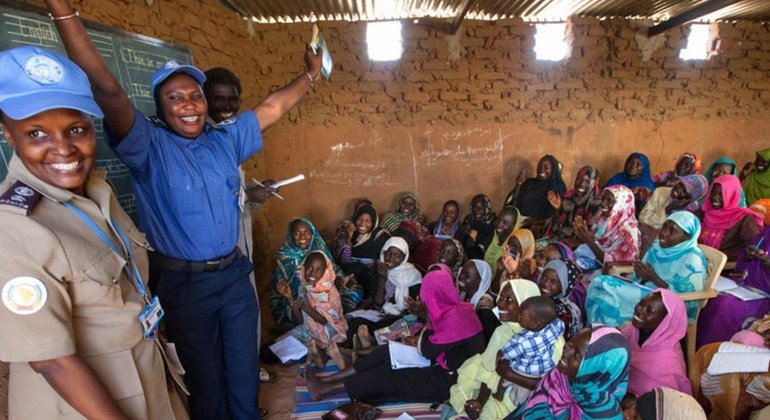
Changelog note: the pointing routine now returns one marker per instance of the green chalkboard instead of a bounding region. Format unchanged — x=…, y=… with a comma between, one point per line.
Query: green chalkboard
x=132, y=58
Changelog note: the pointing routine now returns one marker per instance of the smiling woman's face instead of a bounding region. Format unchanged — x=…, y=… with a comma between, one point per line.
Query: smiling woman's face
x=301, y=234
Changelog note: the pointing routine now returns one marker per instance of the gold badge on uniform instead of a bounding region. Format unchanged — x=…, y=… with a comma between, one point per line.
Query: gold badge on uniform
x=24, y=295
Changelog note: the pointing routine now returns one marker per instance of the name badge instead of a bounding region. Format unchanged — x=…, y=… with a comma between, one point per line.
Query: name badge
x=150, y=317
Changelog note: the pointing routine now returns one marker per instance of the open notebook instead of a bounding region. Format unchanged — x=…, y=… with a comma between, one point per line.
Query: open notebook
x=734, y=357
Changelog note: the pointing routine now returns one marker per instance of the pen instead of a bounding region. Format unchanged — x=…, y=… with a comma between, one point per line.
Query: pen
x=756, y=247
x=270, y=190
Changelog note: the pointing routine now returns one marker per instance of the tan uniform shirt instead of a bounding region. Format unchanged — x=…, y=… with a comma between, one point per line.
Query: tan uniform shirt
x=89, y=304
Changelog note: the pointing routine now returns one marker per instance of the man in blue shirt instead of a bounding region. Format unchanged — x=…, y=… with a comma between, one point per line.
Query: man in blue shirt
x=185, y=174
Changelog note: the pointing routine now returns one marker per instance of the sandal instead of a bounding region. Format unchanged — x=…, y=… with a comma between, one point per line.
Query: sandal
x=266, y=376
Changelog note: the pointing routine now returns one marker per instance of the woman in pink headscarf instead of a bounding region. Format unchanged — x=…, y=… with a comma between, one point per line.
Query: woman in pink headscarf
x=657, y=360
x=453, y=333
x=725, y=224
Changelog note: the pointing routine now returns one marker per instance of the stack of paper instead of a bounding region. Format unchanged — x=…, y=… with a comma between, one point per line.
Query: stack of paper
x=403, y=356
x=734, y=358
x=730, y=287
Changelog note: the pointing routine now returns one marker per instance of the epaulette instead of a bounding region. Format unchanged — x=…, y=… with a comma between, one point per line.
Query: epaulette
x=219, y=125
x=20, y=196
x=227, y=121
x=157, y=121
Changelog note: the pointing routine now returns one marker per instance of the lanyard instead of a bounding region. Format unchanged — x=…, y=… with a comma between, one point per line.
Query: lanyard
x=133, y=272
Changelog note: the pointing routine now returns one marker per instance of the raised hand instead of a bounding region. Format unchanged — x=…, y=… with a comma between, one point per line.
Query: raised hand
x=284, y=290
x=554, y=199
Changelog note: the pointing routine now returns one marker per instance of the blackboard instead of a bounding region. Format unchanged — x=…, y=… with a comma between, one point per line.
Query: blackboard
x=132, y=58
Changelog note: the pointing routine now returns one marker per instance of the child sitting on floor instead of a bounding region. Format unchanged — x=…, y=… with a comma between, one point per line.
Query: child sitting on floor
x=320, y=307
x=530, y=352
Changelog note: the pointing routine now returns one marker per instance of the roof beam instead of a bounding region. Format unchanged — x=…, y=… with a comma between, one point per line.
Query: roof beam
x=453, y=26
x=692, y=14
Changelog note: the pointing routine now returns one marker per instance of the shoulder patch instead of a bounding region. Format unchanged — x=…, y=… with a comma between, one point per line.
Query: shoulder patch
x=227, y=121
x=24, y=295
x=20, y=195
x=155, y=120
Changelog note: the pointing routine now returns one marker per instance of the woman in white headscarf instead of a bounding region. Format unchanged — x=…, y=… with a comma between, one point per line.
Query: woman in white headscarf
x=401, y=276
x=473, y=283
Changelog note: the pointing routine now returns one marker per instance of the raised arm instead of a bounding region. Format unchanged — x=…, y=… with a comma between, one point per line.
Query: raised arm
x=108, y=92
x=278, y=103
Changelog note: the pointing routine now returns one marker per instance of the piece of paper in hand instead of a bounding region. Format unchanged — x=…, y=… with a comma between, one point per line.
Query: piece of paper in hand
x=281, y=183
x=289, y=349
x=317, y=41
x=403, y=356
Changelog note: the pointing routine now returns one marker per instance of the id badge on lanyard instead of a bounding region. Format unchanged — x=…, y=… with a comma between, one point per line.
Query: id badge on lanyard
x=152, y=312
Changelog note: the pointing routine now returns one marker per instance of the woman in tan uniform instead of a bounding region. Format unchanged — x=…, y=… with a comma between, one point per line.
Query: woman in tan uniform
x=72, y=264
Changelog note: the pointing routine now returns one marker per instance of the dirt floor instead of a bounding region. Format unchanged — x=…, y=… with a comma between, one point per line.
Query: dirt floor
x=277, y=397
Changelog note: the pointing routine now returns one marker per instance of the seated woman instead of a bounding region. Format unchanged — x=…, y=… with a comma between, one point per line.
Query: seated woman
x=727, y=226
x=506, y=223
x=301, y=239
x=362, y=248
x=583, y=200
x=615, y=233
x=448, y=225
x=589, y=381
x=452, y=335
x=395, y=280
x=683, y=196
x=756, y=184
x=408, y=209
x=635, y=176
x=657, y=360
x=423, y=246
x=452, y=254
x=341, y=233
x=518, y=259
x=725, y=315
x=531, y=196
x=554, y=250
x=673, y=262
x=478, y=377
x=480, y=225
x=737, y=395
x=318, y=305
x=724, y=166
x=687, y=164
x=557, y=281
x=473, y=282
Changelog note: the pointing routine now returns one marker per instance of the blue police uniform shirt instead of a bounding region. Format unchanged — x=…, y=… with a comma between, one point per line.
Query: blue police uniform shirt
x=187, y=190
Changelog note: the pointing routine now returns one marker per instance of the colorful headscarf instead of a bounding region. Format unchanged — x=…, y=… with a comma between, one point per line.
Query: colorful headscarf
x=566, y=309
x=618, y=233
x=290, y=257
x=393, y=218
x=696, y=162
x=486, y=218
x=593, y=189
x=762, y=208
x=460, y=257
x=400, y=278
x=596, y=391
x=717, y=222
x=643, y=180
x=757, y=185
x=324, y=298
x=451, y=319
x=564, y=250
x=660, y=360
x=485, y=273
x=495, y=250
x=666, y=176
x=532, y=200
x=527, y=241
x=696, y=186
x=735, y=172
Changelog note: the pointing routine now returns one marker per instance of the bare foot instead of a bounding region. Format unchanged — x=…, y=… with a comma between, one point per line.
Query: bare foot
x=314, y=385
x=334, y=352
x=363, y=335
x=314, y=355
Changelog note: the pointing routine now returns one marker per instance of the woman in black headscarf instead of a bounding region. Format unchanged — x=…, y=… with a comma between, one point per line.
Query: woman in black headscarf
x=531, y=196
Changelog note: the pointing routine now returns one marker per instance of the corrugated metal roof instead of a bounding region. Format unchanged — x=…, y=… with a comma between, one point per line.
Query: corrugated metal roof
x=271, y=11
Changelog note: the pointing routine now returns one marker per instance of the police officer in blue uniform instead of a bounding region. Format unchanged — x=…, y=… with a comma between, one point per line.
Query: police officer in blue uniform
x=185, y=174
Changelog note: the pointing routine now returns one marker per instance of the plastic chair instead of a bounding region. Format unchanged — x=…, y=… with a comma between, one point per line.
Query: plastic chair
x=715, y=262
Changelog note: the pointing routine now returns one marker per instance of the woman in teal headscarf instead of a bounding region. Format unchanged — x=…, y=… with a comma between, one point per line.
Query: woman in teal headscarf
x=589, y=381
x=673, y=262
x=723, y=166
x=301, y=239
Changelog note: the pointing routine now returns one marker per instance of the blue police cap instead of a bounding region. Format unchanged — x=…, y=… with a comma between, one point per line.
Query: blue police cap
x=35, y=80
x=172, y=67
